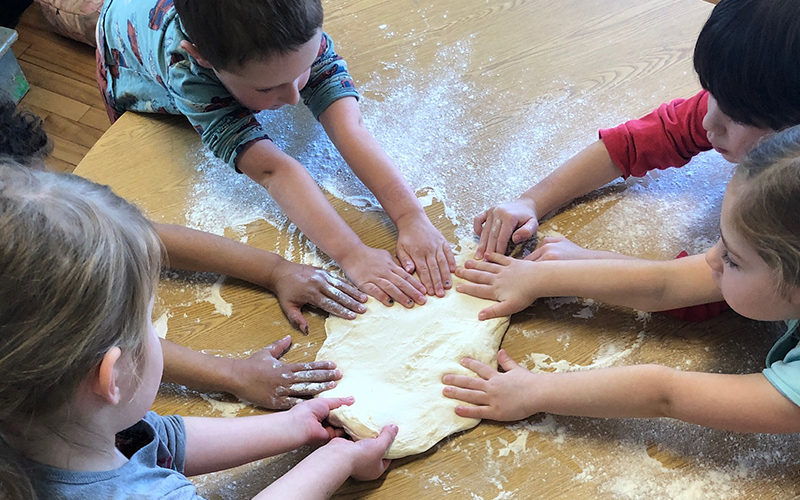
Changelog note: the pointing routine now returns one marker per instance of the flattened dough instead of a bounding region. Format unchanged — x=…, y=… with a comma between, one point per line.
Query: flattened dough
x=393, y=359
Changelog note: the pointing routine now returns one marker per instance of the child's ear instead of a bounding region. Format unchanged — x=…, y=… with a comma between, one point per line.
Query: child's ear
x=192, y=50
x=105, y=381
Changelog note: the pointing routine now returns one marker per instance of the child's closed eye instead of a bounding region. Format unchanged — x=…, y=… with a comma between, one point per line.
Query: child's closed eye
x=726, y=258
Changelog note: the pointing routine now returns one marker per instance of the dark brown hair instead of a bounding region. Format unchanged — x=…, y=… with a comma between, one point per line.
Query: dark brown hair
x=748, y=57
x=231, y=33
x=22, y=135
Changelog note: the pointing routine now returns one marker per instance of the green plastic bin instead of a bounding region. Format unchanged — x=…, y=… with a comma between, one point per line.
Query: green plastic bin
x=12, y=81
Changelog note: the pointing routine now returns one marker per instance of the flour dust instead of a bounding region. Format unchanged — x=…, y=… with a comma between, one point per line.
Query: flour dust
x=444, y=132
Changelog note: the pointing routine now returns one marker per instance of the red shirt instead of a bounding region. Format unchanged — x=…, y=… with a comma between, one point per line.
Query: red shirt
x=667, y=137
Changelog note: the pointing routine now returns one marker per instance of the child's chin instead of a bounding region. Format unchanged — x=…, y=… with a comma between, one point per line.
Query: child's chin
x=727, y=155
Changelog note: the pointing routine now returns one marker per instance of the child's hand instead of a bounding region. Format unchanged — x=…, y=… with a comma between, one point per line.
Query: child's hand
x=265, y=381
x=422, y=248
x=560, y=248
x=497, y=396
x=376, y=273
x=297, y=285
x=509, y=281
x=309, y=416
x=516, y=220
x=366, y=455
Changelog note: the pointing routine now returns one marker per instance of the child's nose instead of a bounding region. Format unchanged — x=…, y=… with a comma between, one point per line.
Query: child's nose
x=712, y=124
x=292, y=95
x=713, y=258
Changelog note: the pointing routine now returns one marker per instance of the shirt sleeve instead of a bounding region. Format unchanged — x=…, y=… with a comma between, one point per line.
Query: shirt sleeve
x=225, y=126
x=784, y=373
x=171, y=432
x=329, y=79
x=667, y=137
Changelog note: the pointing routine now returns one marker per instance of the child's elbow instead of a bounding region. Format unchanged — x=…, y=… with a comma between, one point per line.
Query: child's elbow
x=662, y=383
x=270, y=170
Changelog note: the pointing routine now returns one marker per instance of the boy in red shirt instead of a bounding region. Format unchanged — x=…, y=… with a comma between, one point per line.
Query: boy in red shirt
x=747, y=57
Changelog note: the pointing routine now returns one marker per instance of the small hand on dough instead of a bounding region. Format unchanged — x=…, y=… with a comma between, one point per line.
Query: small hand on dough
x=266, y=381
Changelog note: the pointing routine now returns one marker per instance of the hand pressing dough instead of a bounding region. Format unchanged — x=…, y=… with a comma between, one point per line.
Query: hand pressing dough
x=392, y=361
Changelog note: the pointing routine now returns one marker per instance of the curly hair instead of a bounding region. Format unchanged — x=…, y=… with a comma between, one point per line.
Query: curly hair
x=22, y=136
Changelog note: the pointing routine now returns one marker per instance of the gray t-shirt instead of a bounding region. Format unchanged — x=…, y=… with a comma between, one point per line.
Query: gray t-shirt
x=155, y=447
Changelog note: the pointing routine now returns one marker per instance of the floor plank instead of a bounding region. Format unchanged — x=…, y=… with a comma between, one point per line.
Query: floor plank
x=67, y=151
x=55, y=103
x=64, y=85
x=96, y=118
x=72, y=131
x=63, y=89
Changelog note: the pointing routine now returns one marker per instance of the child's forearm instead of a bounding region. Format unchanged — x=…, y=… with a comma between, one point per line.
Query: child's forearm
x=639, y=284
x=344, y=125
x=620, y=392
x=214, y=444
x=317, y=477
x=581, y=174
x=199, y=371
x=300, y=198
x=194, y=250
x=741, y=403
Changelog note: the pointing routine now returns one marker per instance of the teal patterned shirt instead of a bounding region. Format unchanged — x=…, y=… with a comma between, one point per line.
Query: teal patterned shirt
x=141, y=67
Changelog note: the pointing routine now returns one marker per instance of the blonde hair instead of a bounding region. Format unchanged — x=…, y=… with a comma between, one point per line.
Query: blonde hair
x=767, y=215
x=79, y=268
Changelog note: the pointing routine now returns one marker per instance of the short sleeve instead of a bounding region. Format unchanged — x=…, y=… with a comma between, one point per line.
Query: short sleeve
x=329, y=79
x=225, y=126
x=667, y=137
x=171, y=432
x=784, y=373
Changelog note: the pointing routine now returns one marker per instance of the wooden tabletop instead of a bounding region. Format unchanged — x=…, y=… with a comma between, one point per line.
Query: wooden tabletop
x=568, y=67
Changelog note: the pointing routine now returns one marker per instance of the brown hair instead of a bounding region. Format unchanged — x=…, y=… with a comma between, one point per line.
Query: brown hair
x=22, y=135
x=768, y=212
x=230, y=33
x=79, y=268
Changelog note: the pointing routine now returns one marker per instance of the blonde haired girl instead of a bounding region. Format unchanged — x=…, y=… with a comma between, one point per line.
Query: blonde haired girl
x=80, y=364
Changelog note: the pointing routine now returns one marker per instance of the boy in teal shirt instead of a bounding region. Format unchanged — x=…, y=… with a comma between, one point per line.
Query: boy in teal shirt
x=218, y=63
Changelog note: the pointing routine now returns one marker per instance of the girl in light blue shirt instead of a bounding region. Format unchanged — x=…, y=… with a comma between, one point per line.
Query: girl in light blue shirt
x=754, y=267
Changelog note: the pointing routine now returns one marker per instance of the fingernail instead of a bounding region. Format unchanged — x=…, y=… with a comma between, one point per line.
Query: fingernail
x=410, y=301
x=446, y=283
x=391, y=301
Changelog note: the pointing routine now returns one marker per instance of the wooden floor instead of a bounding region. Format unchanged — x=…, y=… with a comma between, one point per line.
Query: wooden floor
x=63, y=89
